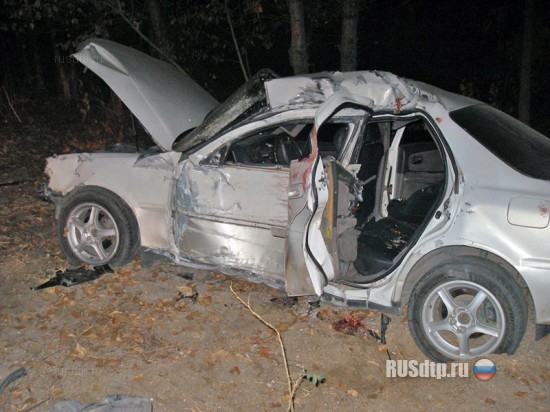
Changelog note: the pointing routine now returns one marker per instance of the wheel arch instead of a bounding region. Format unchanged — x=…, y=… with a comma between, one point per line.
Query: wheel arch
x=450, y=254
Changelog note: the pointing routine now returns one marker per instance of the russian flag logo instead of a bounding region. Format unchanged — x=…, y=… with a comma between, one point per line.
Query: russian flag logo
x=484, y=369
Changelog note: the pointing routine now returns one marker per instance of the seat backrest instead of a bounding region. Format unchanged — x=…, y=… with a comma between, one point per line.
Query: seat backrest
x=416, y=207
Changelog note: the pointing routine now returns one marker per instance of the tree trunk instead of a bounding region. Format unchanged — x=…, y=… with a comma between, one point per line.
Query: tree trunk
x=526, y=63
x=60, y=62
x=158, y=21
x=348, y=41
x=37, y=63
x=298, y=49
x=73, y=82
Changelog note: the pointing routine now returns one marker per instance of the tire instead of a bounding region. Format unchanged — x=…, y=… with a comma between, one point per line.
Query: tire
x=467, y=309
x=96, y=227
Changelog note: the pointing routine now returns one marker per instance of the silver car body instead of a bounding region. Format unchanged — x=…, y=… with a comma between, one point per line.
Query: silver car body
x=235, y=218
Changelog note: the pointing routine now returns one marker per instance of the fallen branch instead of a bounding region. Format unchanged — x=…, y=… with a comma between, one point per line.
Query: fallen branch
x=291, y=388
x=11, y=106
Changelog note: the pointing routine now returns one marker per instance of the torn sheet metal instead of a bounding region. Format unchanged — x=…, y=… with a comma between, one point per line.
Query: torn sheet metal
x=311, y=174
x=301, y=204
x=164, y=99
x=387, y=91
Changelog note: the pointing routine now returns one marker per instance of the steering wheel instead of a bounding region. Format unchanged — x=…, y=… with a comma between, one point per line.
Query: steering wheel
x=288, y=149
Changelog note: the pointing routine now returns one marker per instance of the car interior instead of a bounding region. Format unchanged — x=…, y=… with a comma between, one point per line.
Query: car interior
x=280, y=145
x=396, y=193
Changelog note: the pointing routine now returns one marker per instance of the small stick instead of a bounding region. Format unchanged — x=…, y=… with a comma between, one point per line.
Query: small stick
x=291, y=391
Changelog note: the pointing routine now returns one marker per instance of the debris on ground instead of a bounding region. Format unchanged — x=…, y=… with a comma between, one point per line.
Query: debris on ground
x=186, y=275
x=12, y=377
x=349, y=325
x=192, y=296
x=113, y=403
x=384, y=322
x=73, y=277
x=285, y=301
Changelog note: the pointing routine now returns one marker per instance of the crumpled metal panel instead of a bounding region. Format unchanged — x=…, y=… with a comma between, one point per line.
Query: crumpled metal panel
x=143, y=182
x=386, y=90
x=250, y=194
x=164, y=99
x=229, y=245
x=233, y=216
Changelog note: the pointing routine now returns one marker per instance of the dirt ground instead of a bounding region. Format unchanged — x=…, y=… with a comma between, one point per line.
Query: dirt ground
x=128, y=333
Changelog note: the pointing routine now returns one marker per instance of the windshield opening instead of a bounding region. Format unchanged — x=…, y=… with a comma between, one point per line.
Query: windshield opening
x=246, y=101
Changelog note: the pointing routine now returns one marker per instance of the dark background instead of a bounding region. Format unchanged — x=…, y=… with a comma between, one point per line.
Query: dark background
x=468, y=47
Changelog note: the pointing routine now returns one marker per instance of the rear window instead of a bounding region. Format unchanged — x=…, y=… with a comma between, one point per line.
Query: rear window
x=515, y=143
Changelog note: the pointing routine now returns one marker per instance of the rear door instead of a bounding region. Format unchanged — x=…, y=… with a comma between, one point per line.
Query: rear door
x=308, y=261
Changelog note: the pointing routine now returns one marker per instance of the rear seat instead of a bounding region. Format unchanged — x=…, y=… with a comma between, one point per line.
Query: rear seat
x=379, y=243
x=382, y=240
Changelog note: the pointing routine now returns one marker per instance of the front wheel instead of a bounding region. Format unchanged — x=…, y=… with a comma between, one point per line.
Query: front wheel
x=96, y=227
x=467, y=310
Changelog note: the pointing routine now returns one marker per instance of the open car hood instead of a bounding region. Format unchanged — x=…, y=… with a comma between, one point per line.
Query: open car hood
x=164, y=99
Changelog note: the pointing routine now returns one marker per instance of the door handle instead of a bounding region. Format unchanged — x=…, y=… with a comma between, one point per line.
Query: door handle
x=416, y=160
x=295, y=194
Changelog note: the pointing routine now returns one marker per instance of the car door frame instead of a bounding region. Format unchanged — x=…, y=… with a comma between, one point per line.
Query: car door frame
x=308, y=262
x=222, y=240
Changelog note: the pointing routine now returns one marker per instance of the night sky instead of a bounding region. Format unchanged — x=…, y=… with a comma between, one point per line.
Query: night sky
x=470, y=47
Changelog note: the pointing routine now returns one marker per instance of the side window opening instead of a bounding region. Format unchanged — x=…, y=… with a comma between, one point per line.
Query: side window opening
x=281, y=144
x=331, y=139
x=273, y=146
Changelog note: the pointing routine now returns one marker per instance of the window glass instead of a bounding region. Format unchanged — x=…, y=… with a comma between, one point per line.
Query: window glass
x=515, y=143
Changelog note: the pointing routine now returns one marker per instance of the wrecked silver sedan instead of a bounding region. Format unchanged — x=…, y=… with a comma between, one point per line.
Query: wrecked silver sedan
x=363, y=189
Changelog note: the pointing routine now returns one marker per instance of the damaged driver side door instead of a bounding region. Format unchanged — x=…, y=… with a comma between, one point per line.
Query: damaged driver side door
x=231, y=199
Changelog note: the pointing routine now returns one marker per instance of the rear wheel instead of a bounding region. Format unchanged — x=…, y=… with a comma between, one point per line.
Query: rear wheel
x=467, y=310
x=96, y=227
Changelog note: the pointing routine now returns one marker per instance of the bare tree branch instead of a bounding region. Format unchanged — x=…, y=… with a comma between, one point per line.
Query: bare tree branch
x=118, y=10
x=235, y=42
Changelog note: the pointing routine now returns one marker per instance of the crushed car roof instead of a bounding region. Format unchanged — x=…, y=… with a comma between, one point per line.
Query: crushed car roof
x=387, y=91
